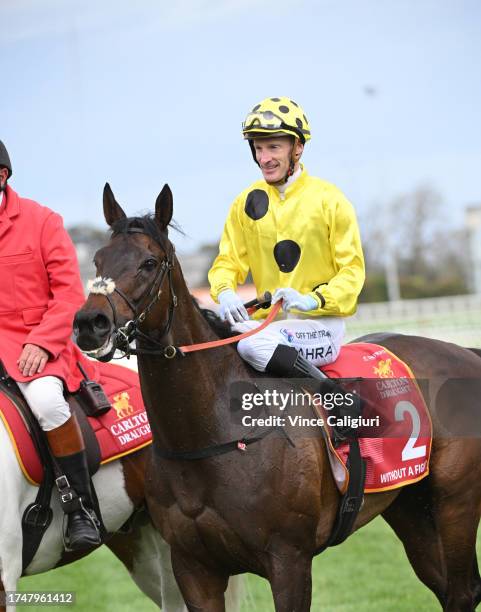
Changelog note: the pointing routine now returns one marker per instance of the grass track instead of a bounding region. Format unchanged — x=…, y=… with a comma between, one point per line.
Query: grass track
x=368, y=573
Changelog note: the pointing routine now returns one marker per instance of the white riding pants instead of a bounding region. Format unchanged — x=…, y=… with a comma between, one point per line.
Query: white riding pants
x=45, y=398
x=317, y=340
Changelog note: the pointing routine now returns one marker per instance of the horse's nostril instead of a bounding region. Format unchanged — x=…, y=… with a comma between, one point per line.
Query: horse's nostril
x=101, y=323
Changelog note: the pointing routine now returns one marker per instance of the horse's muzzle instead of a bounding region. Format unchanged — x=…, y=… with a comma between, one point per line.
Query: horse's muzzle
x=92, y=329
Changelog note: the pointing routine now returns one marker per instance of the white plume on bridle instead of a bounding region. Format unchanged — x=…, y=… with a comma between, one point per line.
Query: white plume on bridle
x=101, y=285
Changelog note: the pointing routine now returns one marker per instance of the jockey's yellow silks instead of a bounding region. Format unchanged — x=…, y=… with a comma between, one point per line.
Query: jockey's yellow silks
x=308, y=239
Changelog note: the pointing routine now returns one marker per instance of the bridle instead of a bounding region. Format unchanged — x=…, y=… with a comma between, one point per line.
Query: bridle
x=125, y=334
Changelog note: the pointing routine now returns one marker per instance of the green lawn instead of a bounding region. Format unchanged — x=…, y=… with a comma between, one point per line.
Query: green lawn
x=367, y=573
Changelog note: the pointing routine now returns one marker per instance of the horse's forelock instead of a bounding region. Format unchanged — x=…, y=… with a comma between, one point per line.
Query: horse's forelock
x=146, y=224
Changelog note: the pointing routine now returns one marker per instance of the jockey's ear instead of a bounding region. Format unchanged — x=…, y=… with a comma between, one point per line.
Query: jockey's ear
x=164, y=207
x=112, y=209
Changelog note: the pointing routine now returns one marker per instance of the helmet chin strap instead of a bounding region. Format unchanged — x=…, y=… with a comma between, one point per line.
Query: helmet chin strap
x=292, y=163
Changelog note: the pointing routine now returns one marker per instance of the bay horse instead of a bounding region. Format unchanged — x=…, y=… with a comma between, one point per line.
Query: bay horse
x=266, y=509
x=120, y=486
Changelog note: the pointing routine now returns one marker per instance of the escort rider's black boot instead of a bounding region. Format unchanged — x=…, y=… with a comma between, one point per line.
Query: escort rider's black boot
x=67, y=446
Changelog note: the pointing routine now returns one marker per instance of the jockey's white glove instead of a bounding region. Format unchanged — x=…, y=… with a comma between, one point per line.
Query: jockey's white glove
x=293, y=299
x=231, y=307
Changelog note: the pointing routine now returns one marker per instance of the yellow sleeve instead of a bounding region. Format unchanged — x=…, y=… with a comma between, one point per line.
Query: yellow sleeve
x=339, y=295
x=231, y=266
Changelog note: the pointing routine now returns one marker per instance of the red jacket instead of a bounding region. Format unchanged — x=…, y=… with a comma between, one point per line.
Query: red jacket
x=40, y=288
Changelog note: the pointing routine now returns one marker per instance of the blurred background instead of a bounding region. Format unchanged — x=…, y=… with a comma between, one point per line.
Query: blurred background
x=139, y=94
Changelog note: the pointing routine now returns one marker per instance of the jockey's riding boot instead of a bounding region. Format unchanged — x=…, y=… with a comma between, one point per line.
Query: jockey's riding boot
x=67, y=446
x=287, y=362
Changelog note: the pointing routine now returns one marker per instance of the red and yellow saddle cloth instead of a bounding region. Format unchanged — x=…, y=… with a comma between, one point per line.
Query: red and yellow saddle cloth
x=120, y=431
x=397, y=444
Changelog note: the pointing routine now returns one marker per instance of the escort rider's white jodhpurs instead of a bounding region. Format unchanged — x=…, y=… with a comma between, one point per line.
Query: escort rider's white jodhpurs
x=45, y=398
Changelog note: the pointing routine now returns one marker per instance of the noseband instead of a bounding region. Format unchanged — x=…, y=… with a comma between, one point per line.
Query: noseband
x=130, y=331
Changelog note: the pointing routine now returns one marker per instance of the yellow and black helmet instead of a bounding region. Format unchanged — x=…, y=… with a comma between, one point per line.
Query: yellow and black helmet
x=276, y=117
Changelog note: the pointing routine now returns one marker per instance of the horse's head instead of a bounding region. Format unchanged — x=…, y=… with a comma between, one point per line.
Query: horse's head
x=134, y=276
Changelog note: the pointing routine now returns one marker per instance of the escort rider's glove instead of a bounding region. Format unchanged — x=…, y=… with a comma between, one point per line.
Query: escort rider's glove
x=231, y=307
x=293, y=299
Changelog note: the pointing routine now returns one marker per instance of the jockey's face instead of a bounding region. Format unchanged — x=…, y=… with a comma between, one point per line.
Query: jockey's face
x=3, y=178
x=274, y=157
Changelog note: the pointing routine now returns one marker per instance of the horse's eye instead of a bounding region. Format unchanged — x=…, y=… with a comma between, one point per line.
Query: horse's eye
x=149, y=265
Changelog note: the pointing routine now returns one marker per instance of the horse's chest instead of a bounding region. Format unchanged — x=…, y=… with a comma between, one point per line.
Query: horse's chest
x=177, y=487
x=186, y=514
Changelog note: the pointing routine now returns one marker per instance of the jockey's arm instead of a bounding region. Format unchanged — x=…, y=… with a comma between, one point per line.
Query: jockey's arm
x=339, y=295
x=231, y=266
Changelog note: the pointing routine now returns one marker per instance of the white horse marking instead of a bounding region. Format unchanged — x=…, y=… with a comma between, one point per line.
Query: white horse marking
x=101, y=285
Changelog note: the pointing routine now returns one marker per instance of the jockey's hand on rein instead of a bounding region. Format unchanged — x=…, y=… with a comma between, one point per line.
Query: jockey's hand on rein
x=32, y=360
x=293, y=299
x=232, y=308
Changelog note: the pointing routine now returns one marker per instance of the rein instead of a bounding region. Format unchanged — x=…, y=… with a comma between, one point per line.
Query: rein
x=130, y=331
x=170, y=351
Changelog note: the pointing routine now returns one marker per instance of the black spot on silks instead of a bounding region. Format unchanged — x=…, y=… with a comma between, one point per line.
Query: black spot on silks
x=284, y=109
x=256, y=108
x=287, y=254
x=275, y=99
x=257, y=204
x=299, y=123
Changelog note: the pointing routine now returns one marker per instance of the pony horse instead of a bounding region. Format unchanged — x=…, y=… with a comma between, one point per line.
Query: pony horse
x=266, y=510
x=120, y=487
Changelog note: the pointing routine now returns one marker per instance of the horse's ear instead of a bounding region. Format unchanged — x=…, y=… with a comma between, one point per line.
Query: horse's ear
x=164, y=207
x=112, y=209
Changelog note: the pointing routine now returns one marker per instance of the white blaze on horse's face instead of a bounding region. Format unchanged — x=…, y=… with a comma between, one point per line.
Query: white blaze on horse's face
x=101, y=285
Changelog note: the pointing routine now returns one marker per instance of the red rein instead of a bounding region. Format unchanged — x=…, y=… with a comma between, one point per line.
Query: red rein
x=207, y=345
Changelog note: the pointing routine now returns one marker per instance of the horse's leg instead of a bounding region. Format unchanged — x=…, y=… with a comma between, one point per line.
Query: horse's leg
x=203, y=588
x=457, y=522
x=147, y=559
x=457, y=500
x=290, y=577
x=8, y=582
x=15, y=490
x=409, y=518
x=476, y=582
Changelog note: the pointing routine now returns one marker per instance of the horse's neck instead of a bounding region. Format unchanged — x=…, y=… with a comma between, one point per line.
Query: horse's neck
x=188, y=397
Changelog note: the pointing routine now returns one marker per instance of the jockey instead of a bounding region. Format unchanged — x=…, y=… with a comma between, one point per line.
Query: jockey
x=41, y=291
x=298, y=236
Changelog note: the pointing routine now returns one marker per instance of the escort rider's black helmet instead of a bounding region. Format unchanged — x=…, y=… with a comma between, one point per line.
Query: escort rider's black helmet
x=5, y=159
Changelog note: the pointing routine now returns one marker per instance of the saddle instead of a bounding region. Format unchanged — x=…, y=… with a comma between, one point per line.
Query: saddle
x=120, y=427
x=89, y=400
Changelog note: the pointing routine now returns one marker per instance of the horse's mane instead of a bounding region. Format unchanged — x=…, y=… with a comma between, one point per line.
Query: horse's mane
x=221, y=328
x=147, y=224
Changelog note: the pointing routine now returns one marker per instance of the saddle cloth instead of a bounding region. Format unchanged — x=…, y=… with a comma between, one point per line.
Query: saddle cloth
x=119, y=432
x=396, y=445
